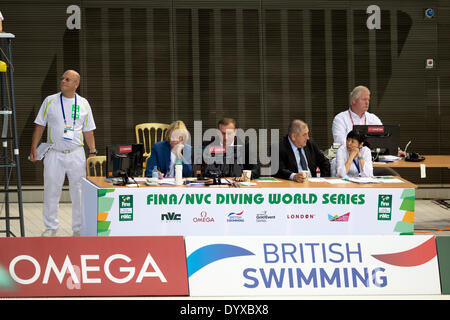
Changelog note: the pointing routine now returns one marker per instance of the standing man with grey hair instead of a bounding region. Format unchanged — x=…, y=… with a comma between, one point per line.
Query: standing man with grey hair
x=68, y=118
x=299, y=153
x=357, y=114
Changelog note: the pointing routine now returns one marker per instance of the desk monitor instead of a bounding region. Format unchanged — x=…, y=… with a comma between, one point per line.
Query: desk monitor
x=383, y=137
x=223, y=161
x=124, y=159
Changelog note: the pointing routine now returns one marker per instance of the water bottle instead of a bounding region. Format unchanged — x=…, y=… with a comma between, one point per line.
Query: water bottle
x=155, y=172
x=178, y=173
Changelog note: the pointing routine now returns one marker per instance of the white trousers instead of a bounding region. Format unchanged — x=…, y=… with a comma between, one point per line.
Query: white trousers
x=56, y=166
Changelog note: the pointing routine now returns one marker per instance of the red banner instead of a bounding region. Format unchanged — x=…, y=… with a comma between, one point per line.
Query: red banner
x=93, y=266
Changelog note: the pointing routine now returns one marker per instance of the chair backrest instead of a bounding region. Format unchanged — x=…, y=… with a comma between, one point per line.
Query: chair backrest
x=150, y=133
x=95, y=165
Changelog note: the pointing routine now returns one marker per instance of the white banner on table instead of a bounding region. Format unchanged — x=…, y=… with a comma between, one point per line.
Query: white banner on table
x=312, y=265
x=253, y=211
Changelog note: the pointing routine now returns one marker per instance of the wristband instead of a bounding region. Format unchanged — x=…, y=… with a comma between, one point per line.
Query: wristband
x=360, y=158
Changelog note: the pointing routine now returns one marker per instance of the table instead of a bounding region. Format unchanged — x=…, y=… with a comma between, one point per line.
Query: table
x=431, y=161
x=269, y=208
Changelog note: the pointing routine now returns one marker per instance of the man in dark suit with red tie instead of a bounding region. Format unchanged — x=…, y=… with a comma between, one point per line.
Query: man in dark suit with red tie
x=298, y=153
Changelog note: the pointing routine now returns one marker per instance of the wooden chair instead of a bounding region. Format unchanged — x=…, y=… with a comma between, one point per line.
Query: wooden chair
x=148, y=134
x=95, y=165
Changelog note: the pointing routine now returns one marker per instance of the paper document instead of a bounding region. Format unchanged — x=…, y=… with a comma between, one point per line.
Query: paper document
x=317, y=180
x=388, y=158
x=247, y=184
x=336, y=181
x=388, y=179
x=196, y=184
x=267, y=179
x=167, y=181
x=363, y=180
x=42, y=150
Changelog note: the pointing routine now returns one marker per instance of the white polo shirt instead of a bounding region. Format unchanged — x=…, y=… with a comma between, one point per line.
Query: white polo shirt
x=1, y=17
x=344, y=121
x=51, y=115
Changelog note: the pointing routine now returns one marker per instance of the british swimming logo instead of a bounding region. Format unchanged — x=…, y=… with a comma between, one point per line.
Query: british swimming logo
x=235, y=217
x=211, y=253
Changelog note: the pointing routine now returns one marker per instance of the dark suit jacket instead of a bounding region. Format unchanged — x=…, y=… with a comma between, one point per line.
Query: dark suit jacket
x=234, y=170
x=160, y=157
x=288, y=164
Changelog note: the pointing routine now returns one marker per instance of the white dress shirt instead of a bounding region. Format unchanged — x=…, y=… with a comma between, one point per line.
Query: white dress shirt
x=173, y=162
x=341, y=158
x=344, y=121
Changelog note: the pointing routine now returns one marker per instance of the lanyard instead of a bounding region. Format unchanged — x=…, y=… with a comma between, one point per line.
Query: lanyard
x=350, y=115
x=357, y=166
x=64, y=114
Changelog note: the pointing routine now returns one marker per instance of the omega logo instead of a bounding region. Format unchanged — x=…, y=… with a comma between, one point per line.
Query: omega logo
x=203, y=217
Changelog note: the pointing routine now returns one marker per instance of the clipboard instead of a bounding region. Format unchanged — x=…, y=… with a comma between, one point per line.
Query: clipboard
x=42, y=150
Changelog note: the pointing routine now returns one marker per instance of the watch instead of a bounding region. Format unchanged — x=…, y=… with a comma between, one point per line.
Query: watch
x=92, y=151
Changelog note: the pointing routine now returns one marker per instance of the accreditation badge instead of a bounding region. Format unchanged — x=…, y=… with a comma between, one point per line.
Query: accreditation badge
x=68, y=133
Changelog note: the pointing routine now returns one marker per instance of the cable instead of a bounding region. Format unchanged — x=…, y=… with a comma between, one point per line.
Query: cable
x=134, y=181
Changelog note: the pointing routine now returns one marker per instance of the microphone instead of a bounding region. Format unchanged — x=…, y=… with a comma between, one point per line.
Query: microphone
x=407, y=145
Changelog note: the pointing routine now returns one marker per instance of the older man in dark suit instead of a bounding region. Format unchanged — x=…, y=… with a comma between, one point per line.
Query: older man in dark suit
x=298, y=153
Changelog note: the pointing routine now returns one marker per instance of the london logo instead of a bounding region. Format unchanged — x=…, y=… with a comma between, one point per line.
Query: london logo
x=300, y=216
x=126, y=208
x=342, y=218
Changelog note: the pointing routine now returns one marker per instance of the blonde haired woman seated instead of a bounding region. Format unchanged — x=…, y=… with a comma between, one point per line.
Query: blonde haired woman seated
x=165, y=154
x=352, y=159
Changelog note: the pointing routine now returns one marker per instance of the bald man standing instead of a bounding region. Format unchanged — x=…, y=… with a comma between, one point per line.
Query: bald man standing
x=1, y=22
x=68, y=118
